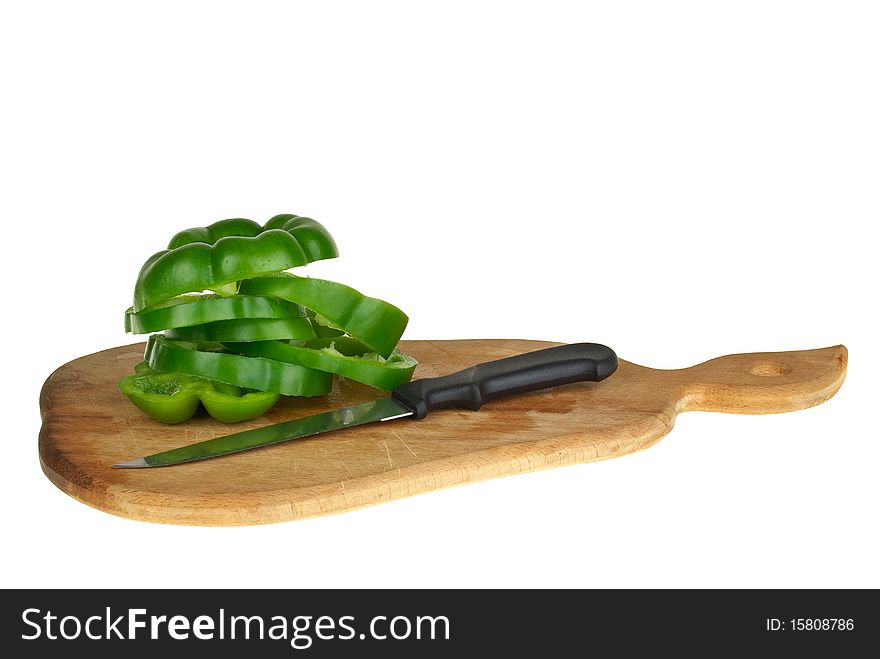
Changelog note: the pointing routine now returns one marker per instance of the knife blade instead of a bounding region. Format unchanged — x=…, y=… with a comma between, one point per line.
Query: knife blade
x=469, y=388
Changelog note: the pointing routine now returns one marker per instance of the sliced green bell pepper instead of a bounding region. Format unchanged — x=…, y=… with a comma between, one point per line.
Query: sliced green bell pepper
x=166, y=397
x=197, y=266
x=198, y=309
x=231, y=404
x=209, y=361
x=342, y=355
x=175, y=397
x=376, y=323
x=313, y=237
x=246, y=329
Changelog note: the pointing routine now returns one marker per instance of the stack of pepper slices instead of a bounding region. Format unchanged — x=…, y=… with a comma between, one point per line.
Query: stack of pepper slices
x=235, y=332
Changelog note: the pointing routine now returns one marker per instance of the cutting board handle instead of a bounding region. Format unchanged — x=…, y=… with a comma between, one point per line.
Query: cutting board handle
x=762, y=382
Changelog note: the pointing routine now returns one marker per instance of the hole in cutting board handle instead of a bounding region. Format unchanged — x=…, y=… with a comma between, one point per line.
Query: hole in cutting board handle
x=769, y=369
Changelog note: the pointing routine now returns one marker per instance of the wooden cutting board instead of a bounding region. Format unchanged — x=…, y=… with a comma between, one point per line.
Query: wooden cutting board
x=88, y=426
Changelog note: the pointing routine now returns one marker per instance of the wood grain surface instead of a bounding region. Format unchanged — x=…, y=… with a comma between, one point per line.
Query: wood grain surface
x=88, y=426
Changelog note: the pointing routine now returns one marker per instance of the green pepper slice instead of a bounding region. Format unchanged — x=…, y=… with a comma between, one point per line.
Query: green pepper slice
x=375, y=323
x=198, y=309
x=246, y=329
x=175, y=397
x=197, y=266
x=341, y=355
x=165, y=355
x=166, y=397
x=312, y=236
x=236, y=406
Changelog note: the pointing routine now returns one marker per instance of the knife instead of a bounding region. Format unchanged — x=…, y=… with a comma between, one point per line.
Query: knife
x=470, y=388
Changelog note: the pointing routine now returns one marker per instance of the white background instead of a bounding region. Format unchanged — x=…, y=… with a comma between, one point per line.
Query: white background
x=679, y=180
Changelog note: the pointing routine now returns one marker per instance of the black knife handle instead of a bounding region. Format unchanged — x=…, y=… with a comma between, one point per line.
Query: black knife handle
x=541, y=369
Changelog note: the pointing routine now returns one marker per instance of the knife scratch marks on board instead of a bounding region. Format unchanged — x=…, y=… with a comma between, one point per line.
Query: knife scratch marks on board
x=322, y=471
x=427, y=436
x=94, y=402
x=152, y=436
x=455, y=358
x=339, y=462
x=387, y=453
x=133, y=441
x=400, y=439
x=127, y=407
x=135, y=444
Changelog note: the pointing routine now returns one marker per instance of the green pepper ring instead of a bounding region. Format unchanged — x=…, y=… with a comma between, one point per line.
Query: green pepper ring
x=196, y=266
x=341, y=355
x=312, y=236
x=198, y=309
x=167, y=356
x=246, y=329
x=375, y=323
